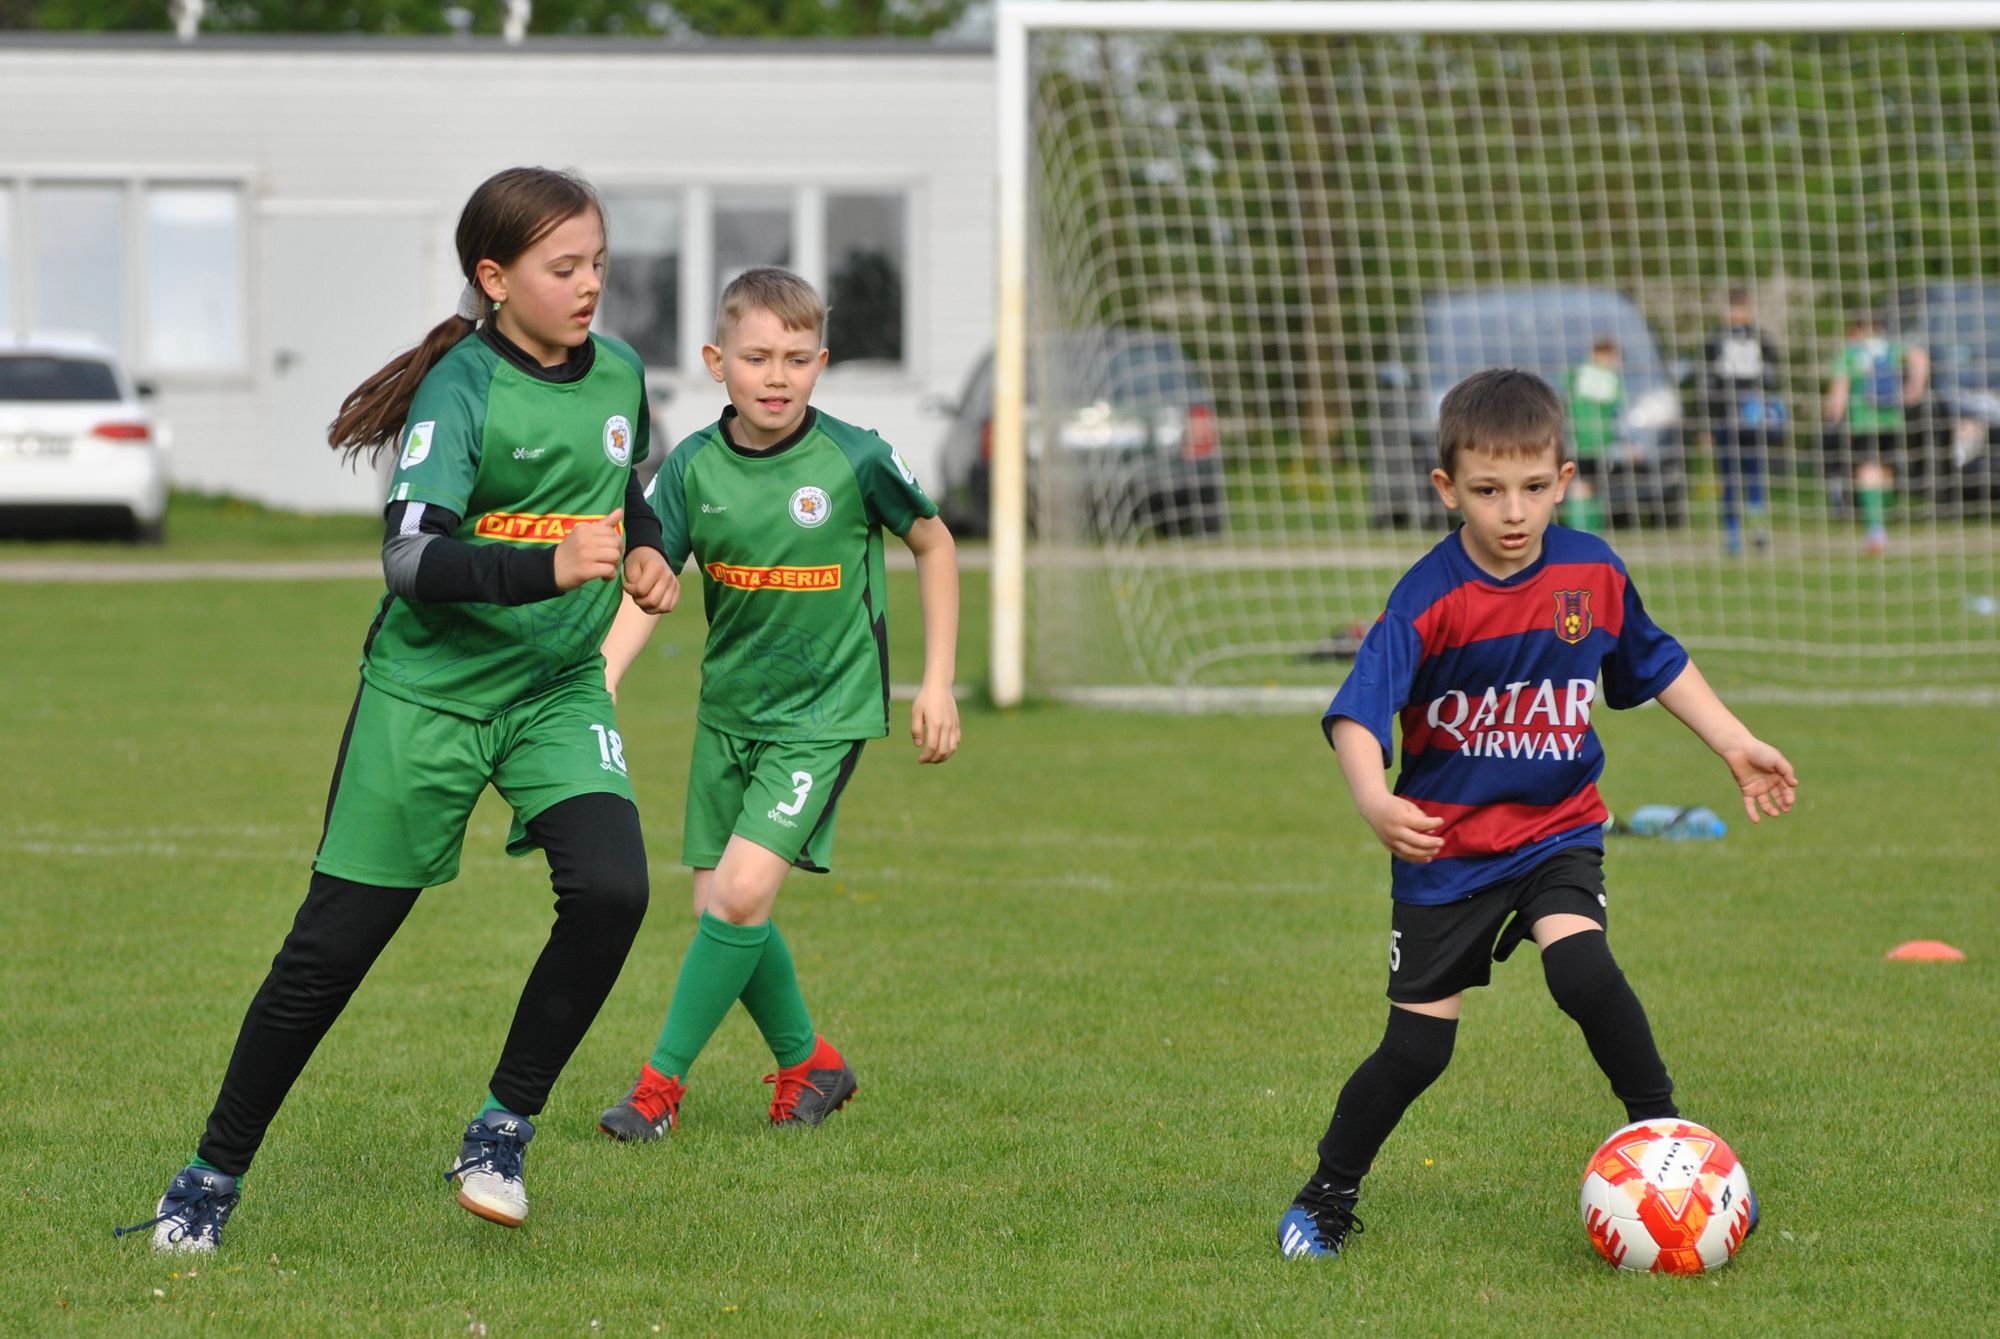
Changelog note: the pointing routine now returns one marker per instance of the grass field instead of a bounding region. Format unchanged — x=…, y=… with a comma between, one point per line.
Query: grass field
x=1101, y=977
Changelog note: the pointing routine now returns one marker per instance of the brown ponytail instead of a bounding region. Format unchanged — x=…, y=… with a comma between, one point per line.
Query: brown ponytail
x=509, y=213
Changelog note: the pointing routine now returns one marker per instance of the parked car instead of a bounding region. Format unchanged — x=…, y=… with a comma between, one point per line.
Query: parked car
x=1546, y=329
x=1957, y=432
x=1133, y=439
x=79, y=451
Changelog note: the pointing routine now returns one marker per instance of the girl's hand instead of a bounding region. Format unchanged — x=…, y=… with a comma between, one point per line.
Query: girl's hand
x=650, y=582
x=1765, y=778
x=934, y=723
x=1404, y=828
x=590, y=552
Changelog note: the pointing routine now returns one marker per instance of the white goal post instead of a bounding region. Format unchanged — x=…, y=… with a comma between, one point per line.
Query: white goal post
x=1278, y=210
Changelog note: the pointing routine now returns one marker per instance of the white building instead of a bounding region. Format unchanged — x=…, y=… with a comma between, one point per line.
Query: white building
x=259, y=224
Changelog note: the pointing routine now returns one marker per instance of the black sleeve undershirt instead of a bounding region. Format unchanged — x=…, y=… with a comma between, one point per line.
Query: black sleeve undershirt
x=450, y=571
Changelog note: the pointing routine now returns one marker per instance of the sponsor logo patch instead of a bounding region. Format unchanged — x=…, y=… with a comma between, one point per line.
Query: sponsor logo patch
x=528, y=528
x=418, y=444
x=618, y=440
x=776, y=578
x=903, y=467
x=810, y=507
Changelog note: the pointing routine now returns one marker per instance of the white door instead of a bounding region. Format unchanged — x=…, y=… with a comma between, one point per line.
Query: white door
x=346, y=286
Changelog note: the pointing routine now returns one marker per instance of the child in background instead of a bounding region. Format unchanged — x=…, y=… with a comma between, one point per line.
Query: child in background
x=1875, y=379
x=1490, y=654
x=1745, y=416
x=1596, y=399
x=519, y=430
x=783, y=507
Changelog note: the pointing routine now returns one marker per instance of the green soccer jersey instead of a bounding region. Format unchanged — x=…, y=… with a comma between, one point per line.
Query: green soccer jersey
x=1873, y=370
x=790, y=546
x=521, y=459
x=1596, y=396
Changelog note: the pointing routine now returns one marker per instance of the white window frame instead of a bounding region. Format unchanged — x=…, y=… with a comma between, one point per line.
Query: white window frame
x=19, y=183
x=698, y=295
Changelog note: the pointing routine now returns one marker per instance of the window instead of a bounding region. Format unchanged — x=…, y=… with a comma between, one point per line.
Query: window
x=7, y=326
x=79, y=260
x=194, y=278
x=864, y=265
x=751, y=230
x=642, y=291
x=50, y=377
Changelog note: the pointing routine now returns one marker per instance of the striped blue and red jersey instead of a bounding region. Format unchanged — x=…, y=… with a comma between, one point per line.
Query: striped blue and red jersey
x=1494, y=683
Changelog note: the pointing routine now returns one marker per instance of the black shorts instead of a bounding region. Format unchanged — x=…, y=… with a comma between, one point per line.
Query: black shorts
x=1435, y=952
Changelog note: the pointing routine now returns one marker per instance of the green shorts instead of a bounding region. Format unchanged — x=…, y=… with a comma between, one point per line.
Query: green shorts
x=408, y=776
x=779, y=795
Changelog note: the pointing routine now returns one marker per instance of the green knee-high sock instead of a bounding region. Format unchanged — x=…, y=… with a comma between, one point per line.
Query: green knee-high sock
x=717, y=966
x=773, y=999
x=1874, y=507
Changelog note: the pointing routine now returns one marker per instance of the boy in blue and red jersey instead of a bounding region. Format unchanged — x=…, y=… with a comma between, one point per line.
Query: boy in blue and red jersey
x=1490, y=653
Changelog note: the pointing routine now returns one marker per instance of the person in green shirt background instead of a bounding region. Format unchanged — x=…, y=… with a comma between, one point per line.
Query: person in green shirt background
x=1875, y=381
x=1596, y=399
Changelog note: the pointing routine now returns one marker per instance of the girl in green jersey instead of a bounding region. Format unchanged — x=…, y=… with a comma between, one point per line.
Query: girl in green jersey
x=519, y=429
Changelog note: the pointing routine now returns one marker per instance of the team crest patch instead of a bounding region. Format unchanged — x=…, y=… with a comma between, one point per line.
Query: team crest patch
x=810, y=507
x=903, y=467
x=618, y=440
x=418, y=444
x=1572, y=615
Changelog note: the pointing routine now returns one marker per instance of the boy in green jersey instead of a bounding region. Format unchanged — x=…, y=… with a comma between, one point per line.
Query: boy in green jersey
x=1596, y=399
x=783, y=507
x=1874, y=380
x=502, y=552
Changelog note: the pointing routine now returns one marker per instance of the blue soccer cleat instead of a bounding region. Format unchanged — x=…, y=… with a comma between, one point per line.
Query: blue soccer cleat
x=1316, y=1225
x=190, y=1216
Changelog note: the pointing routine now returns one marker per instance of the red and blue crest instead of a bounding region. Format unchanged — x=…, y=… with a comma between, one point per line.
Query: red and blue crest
x=1572, y=615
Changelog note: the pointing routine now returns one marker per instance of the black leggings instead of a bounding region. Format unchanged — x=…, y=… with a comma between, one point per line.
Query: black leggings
x=597, y=866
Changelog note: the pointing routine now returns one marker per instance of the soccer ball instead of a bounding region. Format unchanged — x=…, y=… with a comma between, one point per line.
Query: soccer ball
x=1666, y=1196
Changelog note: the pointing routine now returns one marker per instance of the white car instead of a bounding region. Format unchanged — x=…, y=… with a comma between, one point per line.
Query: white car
x=79, y=450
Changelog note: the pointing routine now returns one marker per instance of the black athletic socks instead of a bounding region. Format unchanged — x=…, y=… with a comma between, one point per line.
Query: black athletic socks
x=1415, y=1050
x=1588, y=986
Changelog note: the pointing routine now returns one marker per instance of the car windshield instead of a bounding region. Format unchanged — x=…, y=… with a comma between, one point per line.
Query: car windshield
x=1545, y=330
x=1959, y=325
x=1118, y=367
x=47, y=377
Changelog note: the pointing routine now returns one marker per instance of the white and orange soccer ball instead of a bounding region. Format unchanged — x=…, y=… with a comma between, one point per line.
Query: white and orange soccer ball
x=1667, y=1196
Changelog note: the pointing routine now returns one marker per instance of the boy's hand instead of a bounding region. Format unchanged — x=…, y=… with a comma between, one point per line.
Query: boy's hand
x=934, y=723
x=590, y=552
x=650, y=582
x=1766, y=779
x=1404, y=828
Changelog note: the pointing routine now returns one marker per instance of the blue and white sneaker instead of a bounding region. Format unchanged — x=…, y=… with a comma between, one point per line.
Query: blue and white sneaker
x=190, y=1216
x=1316, y=1225
x=489, y=1168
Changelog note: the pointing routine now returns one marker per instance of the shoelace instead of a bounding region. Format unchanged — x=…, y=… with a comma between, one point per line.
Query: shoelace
x=193, y=1208
x=500, y=1154
x=653, y=1099
x=1335, y=1220
x=786, y=1100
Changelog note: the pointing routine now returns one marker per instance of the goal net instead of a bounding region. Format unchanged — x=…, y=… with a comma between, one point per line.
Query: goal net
x=1256, y=243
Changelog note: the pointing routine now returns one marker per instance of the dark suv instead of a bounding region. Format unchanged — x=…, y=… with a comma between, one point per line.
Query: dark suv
x=1547, y=329
x=1131, y=440
x=1958, y=429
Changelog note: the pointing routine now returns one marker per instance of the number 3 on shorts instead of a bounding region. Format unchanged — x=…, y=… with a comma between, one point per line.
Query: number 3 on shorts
x=1395, y=950
x=802, y=784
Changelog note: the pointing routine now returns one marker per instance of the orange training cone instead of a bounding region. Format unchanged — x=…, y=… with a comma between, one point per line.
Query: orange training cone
x=1925, y=950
